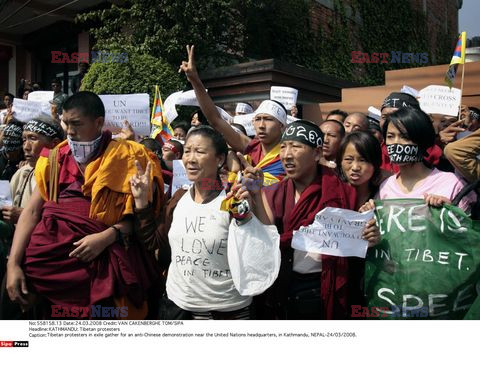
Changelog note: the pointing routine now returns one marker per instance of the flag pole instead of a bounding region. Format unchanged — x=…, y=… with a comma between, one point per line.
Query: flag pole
x=461, y=91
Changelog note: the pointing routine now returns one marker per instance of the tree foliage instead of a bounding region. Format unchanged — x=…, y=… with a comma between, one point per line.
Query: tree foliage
x=231, y=31
x=139, y=75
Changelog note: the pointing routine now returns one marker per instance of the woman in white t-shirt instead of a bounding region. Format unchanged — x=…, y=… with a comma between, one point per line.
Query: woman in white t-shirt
x=408, y=134
x=193, y=235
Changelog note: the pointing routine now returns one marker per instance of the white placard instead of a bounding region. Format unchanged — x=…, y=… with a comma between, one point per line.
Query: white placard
x=40, y=96
x=225, y=115
x=134, y=107
x=336, y=232
x=440, y=100
x=169, y=106
x=286, y=95
x=179, y=176
x=26, y=110
x=5, y=194
x=247, y=122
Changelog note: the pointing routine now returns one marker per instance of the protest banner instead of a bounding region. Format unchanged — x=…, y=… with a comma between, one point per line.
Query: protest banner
x=26, y=110
x=133, y=107
x=336, y=232
x=440, y=100
x=286, y=95
x=179, y=176
x=40, y=96
x=428, y=260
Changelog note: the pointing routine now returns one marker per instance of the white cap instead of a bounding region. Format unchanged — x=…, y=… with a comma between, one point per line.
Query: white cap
x=243, y=108
x=374, y=113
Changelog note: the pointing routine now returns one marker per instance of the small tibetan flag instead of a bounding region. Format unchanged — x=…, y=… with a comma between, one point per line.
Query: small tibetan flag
x=457, y=58
x=160, y=126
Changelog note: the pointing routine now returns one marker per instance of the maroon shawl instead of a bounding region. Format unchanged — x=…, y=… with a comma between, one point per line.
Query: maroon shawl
x=326, y=191
x=117, y=272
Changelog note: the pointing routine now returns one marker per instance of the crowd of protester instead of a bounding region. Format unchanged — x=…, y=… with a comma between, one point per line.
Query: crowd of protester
x=93, y=220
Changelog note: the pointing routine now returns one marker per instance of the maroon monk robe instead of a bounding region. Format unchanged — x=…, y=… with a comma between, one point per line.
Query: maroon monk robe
x=118, y=271
x=326, y=191
x=254, y=150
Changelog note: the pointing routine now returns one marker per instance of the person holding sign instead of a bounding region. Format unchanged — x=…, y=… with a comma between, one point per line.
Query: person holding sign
x=270, y=120
x=408, y=135
x=192, y=234
x=310, y=286
x=72, y=244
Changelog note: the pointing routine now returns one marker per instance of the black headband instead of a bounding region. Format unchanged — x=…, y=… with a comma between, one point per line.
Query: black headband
x=305, y=132
x=400, y=99
x=47, y=129
x=12, y=137
x=474, y=115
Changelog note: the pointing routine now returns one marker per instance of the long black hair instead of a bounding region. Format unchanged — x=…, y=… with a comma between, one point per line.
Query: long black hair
x=413, y=123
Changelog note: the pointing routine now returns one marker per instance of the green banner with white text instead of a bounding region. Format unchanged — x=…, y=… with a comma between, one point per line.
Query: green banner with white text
x=427, y=265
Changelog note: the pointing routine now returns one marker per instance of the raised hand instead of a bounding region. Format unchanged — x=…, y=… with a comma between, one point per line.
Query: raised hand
x=140, y=184
x=188, y=67
x=252, y=177
x=127, y=132
x=448, y=134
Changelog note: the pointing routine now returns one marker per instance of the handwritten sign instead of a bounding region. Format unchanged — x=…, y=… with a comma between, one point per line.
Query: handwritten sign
x=134, y=107
x=5, y=193
x=179, y=176
x=40, y=96
x=286, y=95
x=336, y=232
x=440, y=100
x=247, y=122
x=26, y=110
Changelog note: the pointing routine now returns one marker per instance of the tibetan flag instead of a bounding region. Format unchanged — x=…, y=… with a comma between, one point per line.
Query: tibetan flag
x=160, y=126
x=271, y=166
x=457, y=58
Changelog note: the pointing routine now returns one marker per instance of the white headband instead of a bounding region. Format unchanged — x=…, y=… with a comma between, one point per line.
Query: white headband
x=243, y=108
x=274, y=109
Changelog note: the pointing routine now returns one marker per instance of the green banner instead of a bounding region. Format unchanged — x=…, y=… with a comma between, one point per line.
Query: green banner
x=427, y=265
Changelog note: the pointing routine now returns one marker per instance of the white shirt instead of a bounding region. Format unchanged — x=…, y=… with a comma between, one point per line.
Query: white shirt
x=199, y=277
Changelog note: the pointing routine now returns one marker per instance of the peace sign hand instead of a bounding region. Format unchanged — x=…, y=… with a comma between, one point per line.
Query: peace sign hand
x=139, y=184
x=188, y=67
x=252, y=177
